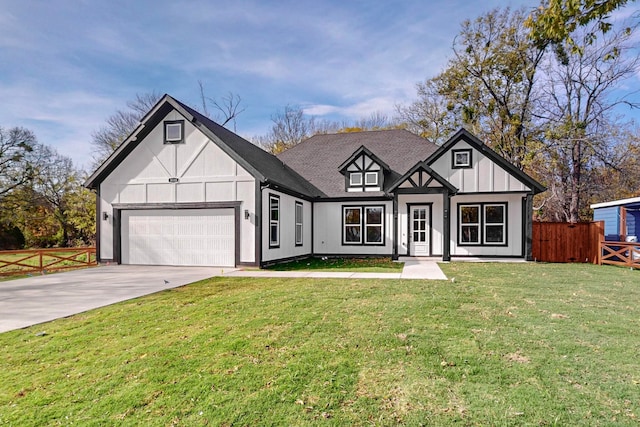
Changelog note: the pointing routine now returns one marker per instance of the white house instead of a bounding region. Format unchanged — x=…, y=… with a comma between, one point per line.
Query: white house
x=182, y=190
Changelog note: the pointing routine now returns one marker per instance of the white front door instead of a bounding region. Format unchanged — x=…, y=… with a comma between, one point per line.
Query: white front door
x=419, y=230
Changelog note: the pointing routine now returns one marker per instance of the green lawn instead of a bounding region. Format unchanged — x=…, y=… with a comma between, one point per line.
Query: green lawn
x=369, y=265
x=505, y=344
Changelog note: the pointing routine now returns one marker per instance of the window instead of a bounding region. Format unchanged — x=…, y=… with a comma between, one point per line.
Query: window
x=363, y=225
x=274, y=221
x=298, y=231
x=173, y=132
x=352, y=226
x=371, y=178
x=484, y=223
x=373, y=224
x=494, y=224
x=355, y=179
x=461, y=159
x=470, y=224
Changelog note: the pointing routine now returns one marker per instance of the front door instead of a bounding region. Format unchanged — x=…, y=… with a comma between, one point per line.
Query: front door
x=419, y=234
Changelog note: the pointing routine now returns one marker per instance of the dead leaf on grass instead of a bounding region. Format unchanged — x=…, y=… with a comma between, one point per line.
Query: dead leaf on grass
x=517, y=357
x=559, y=316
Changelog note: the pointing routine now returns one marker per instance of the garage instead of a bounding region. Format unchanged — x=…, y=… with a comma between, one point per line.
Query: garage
x=198, y=237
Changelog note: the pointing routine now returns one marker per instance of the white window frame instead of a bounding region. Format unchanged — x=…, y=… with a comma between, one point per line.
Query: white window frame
x=486, y=224
x=368, y=225
x=477, y=224
x=299, y=218
x=357, y=175
x=456, y=163
x=367, y=175
x=274, y=206
x=345, y=225
x=173, y=124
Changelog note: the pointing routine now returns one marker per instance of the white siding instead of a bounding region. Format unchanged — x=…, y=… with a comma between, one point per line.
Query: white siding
x=437, y=222
x=484, y=176
x=328, y=229
x=514, y=226
x=287, y=247
x=204, y=171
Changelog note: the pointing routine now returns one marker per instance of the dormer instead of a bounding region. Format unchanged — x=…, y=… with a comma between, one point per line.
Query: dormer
x=363, y=171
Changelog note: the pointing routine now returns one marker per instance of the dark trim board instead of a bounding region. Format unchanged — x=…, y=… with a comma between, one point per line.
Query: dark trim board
x=119, y=207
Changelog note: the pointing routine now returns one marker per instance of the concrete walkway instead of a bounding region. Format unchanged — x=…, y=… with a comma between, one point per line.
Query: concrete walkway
x=414, y=268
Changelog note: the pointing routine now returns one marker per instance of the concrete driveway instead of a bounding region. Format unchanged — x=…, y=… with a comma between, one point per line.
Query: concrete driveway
x=33, y=300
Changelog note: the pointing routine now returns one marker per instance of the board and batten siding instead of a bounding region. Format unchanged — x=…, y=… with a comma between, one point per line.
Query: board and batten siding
x=514, y=226
x=328, y=225
x=485, y=176
x=287, y=247
x=435, y=201
x=204, y=173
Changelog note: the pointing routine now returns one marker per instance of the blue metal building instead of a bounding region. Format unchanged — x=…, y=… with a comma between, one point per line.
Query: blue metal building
x=621, y=219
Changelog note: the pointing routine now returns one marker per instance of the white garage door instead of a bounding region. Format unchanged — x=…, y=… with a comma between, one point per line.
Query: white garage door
x=178, y=237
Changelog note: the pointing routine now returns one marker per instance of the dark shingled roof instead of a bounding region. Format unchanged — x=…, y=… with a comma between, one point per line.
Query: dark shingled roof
x=318, y=159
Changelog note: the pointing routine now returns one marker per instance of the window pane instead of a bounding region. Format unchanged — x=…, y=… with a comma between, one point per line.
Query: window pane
x=494, y=234
x=298, y=233
x=469, y=214
x=423, y=236
x=415, y=236
x=371, y=178
x=174, y=131
x=274, y=214
x=423, y=213
x=494, y=214
x=469, y=234
x=273, y=236
x=352, y=234
x=352, y=216
x=374, y=234
x=355, y=178
x=298, y=213
x=374, y=215
x=416, y=214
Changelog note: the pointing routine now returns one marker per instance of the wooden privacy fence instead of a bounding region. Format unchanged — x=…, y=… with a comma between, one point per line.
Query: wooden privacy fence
x=567, y=242
x=44, y=260
x=621, y=253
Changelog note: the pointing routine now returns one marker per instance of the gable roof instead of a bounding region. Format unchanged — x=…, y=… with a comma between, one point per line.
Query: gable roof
x=264, y=166
x=633, y=202
x=357, y=153
x=423, y=166
x=320, y=158
x=480, y=146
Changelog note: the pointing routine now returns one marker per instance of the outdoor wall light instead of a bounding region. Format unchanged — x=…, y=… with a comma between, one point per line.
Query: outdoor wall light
x=246, y=214
x=105, y=216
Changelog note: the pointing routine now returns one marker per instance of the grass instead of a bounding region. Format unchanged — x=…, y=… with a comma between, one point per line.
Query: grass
x=505, y=344
x=369, y=265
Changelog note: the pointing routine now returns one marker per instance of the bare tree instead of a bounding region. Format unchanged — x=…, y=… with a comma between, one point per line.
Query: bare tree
x=120, y=125
x=15, y=145
x=228, y=107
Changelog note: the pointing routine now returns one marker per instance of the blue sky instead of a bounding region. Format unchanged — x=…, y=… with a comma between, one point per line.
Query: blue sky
x=65, y=66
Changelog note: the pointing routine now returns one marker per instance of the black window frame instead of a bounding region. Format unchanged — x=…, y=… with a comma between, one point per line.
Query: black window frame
x=274, y=198
x=173, y=122
x=455, y=165
x=363, y=225
x=298, y=223
x=482, y=224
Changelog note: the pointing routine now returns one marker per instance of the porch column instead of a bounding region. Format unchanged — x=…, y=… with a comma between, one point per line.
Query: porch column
x=528, y=227
x=395, y=227
x=446, y=233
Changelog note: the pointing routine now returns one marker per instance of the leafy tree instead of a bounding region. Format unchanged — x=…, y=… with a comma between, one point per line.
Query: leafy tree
x=490, y=82
x=556, y=20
